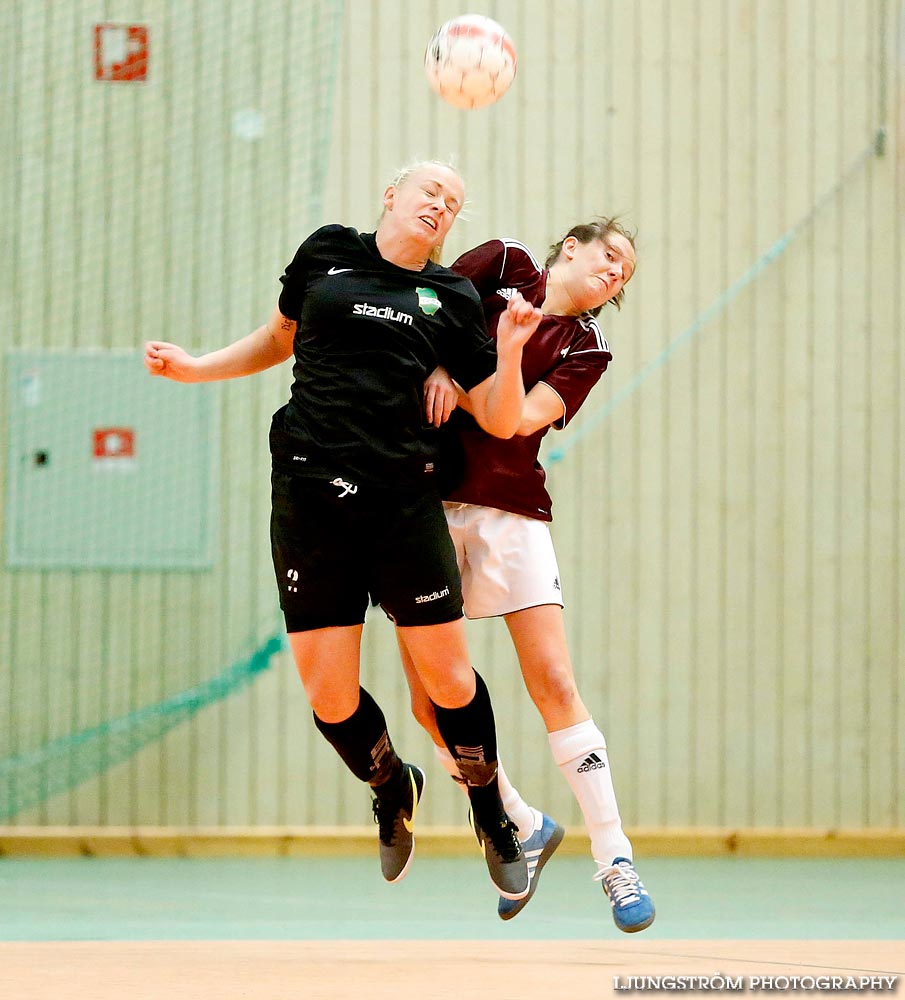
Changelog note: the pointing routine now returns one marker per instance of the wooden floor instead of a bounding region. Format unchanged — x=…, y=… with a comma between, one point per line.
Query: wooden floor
x=311, y=928
x=428, y=970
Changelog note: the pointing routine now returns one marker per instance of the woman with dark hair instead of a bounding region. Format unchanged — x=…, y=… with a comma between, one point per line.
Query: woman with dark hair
x=498, y=511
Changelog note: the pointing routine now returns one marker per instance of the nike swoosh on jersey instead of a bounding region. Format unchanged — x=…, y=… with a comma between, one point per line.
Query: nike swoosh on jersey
x=338, y=270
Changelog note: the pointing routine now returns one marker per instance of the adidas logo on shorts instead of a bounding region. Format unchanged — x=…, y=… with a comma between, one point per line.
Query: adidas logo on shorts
x=590, y=763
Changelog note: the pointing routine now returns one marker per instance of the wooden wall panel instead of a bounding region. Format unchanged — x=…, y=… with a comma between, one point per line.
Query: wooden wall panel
x=728, y=504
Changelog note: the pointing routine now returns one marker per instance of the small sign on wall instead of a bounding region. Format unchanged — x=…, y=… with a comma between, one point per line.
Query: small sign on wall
x=114, y=447
x=121, y=52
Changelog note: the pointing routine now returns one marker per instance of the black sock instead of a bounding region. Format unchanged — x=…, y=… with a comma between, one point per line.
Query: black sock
x=469, y=733
x=363, y=742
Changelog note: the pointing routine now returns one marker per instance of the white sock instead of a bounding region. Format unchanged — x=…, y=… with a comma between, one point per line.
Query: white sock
x=524, y=816
x=580, y=753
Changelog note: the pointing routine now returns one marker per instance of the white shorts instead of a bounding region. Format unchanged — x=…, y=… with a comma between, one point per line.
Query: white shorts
x=506, y=560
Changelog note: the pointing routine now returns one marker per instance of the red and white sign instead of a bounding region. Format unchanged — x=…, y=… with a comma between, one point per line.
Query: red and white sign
x=114, y=446
x=121, y=52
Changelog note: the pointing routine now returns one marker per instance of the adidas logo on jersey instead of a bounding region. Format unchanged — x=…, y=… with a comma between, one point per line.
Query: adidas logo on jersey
x=506, y=293
x=590, y=763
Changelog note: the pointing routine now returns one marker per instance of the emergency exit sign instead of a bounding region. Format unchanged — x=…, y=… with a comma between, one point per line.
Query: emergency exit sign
x=121, y=52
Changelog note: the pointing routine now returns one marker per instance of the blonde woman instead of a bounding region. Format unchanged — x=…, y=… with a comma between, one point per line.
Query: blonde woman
x=356, y=512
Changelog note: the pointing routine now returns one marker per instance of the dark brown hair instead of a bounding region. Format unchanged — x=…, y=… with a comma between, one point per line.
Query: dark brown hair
x=587, y=232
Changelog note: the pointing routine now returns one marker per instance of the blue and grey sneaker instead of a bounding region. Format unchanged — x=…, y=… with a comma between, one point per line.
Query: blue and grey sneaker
x=538, y=848
x=632, y=906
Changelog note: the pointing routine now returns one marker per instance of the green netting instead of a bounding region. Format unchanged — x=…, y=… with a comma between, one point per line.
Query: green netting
x=597, y=416
x=165, y=163
x=29, y=779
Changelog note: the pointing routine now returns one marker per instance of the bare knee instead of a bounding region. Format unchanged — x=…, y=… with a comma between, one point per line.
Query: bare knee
x=449, y=684
x=439, y=656
x=556, y=696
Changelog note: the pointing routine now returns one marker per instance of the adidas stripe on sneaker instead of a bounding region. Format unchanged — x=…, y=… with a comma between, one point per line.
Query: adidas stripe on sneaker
x=538, y=848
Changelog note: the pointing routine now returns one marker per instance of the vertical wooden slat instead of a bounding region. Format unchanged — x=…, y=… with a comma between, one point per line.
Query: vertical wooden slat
x=854, y=349
x=681, y=197
x=707, y=677
x=647, y=430
x=766, y=343
x=12, y=83
x=898, y=428
x=823, y=437
x=795, y=362
x=243, y=159
x=882, y=560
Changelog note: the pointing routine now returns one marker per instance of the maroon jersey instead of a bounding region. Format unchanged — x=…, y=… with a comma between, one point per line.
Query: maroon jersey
x=567, y=353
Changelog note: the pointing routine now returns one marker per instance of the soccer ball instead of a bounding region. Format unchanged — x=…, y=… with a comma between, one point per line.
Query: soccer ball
x=470, y=61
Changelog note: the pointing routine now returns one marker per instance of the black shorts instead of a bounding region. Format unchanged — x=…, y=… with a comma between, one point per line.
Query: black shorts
x=335, y=550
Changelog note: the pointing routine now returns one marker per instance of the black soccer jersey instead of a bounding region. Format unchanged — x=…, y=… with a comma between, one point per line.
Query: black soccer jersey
x=369, y=333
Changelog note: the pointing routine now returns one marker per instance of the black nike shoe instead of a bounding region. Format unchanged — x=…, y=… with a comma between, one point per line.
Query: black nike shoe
x=395, y=818
x=506, y=861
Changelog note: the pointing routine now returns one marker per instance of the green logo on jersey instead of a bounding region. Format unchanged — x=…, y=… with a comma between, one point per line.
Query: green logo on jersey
x=428, y=302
